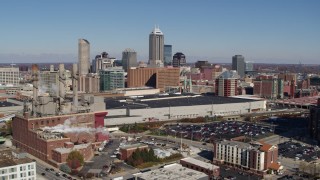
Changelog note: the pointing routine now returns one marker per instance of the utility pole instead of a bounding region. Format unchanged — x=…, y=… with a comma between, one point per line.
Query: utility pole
x=180, y=142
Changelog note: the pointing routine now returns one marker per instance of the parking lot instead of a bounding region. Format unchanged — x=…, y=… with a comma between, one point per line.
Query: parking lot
x=219, y=130
x=299, y=151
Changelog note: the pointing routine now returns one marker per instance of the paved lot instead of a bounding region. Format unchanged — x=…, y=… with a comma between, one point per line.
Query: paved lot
x=298, y=151
x=219, y=130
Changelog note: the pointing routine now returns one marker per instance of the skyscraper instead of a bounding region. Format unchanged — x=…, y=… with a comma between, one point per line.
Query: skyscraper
x=167, y=54
x=129, y=59
x=156, y=46
x=179, y=59
x=238, y=64
x=84, y=56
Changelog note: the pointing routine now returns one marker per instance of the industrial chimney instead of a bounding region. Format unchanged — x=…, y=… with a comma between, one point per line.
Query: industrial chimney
x=35, y=74
x=62, y=82
x=75, y=85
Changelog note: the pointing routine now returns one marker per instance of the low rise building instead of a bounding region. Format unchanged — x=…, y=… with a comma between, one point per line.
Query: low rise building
x=172, y=172
x=161, y=153
x=128, y=150
x=207, y=168
x=15, y=165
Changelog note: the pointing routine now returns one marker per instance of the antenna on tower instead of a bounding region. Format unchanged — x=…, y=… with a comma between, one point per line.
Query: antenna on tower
x=12, y=64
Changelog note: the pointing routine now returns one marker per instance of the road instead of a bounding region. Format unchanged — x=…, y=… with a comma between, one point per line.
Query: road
x=41, y=168
x=177, y=140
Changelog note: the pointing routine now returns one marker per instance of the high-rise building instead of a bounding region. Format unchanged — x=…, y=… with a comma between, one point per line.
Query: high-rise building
x=84, y=56
x=314, y=121
x=167, y=54
x=102, y=61
x=239, y=65
x=156, y=46
x=9, y=75
x=227, y=84
x=268, y=88
x=161, y=78
x=179, y=59
x=249, y=66
x=111, y=79
x=129, y=59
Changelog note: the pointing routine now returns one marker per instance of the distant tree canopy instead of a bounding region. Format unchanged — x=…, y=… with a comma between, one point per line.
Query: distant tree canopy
x=75, y=159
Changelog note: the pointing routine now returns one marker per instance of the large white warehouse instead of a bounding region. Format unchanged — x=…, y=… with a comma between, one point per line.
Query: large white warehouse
x=176, y=106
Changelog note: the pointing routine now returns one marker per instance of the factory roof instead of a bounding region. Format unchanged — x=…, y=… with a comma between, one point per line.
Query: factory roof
x=133, y=146
x=173, y=172
x=200, y=163
x=169, y=100
x=68, y=150
x=239, y=144
x=7, y=158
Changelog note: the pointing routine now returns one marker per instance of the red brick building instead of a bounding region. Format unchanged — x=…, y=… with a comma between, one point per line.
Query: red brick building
x=154, y=77
x=207, y=168
x=126, y=151
x=30, y=135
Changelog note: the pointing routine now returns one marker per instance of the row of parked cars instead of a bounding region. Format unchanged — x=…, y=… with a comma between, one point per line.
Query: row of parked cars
x=222, y=129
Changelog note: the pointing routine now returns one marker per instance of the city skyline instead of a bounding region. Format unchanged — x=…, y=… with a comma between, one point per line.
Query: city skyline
x=272, y=31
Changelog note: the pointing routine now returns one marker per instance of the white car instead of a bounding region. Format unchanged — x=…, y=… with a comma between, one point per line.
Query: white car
x=113, y=156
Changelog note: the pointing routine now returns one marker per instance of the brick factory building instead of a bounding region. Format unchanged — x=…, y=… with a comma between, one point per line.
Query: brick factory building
x=154, y=77
x=41, y=137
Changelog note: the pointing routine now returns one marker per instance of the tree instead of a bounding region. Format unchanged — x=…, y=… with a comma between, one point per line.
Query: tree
x=65, y=168
x=9, y=127
x=75, y=159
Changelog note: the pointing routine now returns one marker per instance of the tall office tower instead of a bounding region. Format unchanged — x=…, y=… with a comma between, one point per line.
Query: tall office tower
x=84, y=56
x=314, y=121
x=167, y=54
x=179, y=59
x=129, y=59
x=238, y=64
x=156, y=46
x=102, y=61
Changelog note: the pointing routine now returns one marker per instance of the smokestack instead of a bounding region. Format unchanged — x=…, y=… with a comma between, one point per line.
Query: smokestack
x=35, y=71
x=62, y=82
x=75, y=85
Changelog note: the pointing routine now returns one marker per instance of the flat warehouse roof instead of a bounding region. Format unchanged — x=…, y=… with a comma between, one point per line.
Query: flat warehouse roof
x=166, y=101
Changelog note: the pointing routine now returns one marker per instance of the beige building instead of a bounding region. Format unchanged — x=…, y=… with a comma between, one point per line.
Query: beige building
x=9, y=75
x=84, y=56
x=156, y=48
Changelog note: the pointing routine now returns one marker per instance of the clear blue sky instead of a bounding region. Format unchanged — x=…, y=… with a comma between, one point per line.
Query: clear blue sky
x=272, y=31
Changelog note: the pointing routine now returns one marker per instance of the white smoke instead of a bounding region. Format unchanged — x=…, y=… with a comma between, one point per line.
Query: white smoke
x=69, y=126
x=42, y=90
x=55, y=89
